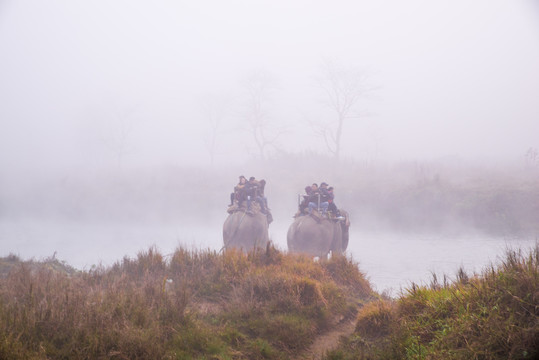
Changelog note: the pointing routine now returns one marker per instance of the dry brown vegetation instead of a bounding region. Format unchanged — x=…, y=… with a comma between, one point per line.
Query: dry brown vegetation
x=268, y=305
x=195, y=304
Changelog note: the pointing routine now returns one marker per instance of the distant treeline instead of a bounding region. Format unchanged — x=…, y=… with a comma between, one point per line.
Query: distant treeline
x=442, y=205
x=447, y=196
x=443, y=196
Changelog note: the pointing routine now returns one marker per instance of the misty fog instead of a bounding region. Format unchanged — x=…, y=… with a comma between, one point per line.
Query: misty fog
x=126, y=124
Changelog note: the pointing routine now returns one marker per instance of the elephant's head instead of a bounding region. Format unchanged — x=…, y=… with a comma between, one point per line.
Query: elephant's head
x=345, y=227
x=245, y=231
x=317, y=236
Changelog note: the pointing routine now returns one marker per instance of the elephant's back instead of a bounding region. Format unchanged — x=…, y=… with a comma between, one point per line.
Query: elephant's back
x=302, y=226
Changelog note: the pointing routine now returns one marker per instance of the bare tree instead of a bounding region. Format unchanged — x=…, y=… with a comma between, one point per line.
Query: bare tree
x=115, y=137
x=342, y=90
x=214, y=110
x=532, y=157
x=259, y=87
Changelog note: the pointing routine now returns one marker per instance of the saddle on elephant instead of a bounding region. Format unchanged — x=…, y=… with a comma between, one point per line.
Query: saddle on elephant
x=255, y=210
x=318, y=216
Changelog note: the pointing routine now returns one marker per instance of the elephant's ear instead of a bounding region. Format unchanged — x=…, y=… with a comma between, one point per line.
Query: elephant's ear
x=345, y=237
x=345, y=226
x=346, y=218
x=336, y=244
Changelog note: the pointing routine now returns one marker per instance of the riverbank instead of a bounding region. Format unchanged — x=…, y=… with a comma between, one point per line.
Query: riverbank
x=490, y=315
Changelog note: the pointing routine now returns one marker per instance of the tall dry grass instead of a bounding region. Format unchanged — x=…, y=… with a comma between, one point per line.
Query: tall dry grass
x=193, y=304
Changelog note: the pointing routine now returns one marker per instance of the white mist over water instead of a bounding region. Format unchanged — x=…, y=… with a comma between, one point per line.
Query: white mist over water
x=83, y=245
x=391, y=261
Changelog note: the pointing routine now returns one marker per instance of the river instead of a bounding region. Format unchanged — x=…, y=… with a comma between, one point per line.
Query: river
x=391, y=261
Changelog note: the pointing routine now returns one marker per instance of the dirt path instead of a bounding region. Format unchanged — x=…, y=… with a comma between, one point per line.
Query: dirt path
x=328, y=340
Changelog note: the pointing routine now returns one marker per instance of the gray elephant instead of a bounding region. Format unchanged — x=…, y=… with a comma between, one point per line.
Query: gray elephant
x=245, y=231
x=317, y=236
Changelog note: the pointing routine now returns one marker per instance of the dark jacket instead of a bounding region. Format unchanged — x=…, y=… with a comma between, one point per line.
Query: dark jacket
x=331, y=196
x=252, y=188
x=315, y=196
x=324, y=195
x=308, y=192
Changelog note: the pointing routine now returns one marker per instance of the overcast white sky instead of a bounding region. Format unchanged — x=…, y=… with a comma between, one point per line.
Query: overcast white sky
x=454, y=78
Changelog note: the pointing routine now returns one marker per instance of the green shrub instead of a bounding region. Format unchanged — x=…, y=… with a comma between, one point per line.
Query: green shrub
x=493, y=315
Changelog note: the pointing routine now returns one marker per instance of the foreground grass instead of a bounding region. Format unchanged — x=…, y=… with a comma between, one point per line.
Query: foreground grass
x=195, y=304
x=494, y=315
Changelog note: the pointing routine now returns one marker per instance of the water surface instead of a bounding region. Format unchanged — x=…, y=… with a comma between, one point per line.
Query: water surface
x=391, y=261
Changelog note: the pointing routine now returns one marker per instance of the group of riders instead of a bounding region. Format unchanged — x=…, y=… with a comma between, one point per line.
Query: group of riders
x=321, y=199
x=248, y=191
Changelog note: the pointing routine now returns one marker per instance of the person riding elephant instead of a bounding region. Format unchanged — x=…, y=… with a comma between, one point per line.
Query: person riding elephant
x=261, y=195
x=235, y=196
x=252, y=192
x=320, y=199
x=332, y=207
x=314, y=198
x=305, y=202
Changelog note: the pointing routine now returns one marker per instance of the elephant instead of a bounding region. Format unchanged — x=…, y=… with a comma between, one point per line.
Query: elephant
x=245, y=231
x=317, y=236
